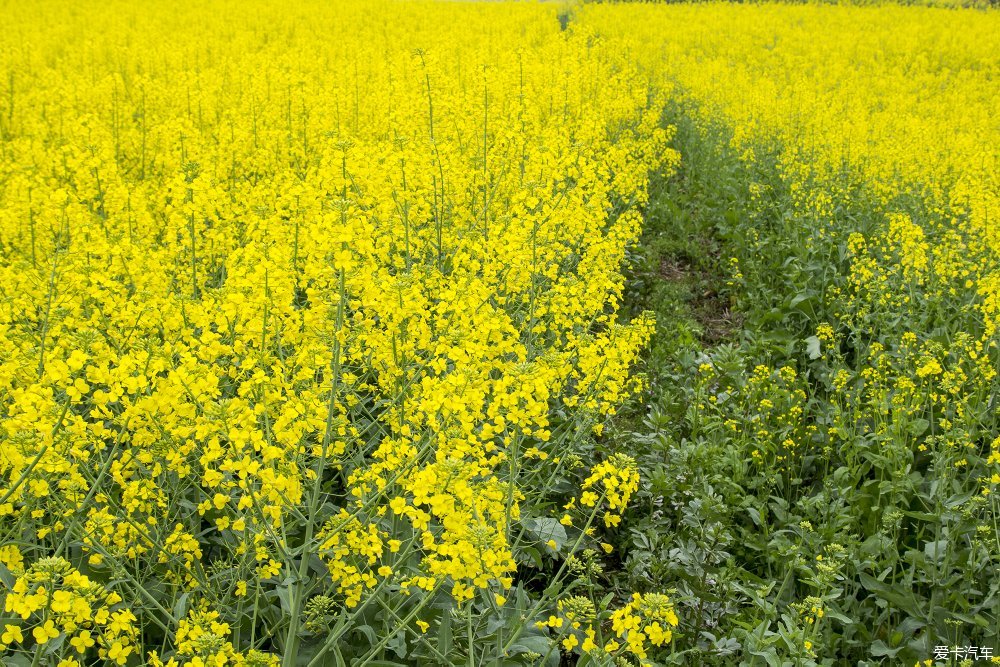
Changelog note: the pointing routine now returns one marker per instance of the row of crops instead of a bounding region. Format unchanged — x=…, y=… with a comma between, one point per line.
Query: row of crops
x=326, y=335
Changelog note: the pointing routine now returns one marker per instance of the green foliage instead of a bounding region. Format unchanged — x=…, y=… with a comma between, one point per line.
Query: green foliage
x=809, y=497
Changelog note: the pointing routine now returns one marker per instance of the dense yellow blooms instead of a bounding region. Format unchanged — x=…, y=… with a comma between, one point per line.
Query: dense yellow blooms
x=291, y=282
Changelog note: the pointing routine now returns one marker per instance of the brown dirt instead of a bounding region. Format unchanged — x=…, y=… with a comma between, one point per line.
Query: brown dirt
x=717, y=320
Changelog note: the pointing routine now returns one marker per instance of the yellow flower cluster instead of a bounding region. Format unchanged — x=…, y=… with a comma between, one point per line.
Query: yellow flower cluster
x=613, y=480
x=647, y=620
x=55, y=600
x=202, y=641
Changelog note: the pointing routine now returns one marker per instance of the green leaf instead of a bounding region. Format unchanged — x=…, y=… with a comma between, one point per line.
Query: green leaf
x=879, y=648
x=770, y=656
x=910, y=625
x=971, y=620
x=958, y=500
x=918, y=427
x=530, y=644
x=282, y=592
x=813, y=347
x=444, y=634
x=898, y=599
x=544, y=529
x=397, y=644
x=17, y=660
x=533, y=554
x=936, y=550
x=834, y=614
x=535, y=644
x=180, y=607
x=369, y=633
x=922, y=516
x=804, y=302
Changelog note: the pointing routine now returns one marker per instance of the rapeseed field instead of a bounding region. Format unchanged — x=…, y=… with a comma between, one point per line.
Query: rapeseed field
x=377, y=333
